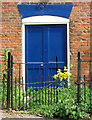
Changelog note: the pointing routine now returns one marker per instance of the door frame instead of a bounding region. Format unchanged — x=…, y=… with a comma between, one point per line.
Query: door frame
x=44, y=20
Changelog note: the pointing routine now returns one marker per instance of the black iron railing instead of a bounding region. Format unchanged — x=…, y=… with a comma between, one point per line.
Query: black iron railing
x=22, y=92
x=84, y=82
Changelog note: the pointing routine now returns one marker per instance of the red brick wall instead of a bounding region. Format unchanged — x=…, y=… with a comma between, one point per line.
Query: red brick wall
x=11, y=29
x=80, y=35
x=79, y=32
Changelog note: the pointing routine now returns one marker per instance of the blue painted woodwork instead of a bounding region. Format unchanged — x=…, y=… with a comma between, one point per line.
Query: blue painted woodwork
x=42, y=44
x=55, y=10
x=34, y=43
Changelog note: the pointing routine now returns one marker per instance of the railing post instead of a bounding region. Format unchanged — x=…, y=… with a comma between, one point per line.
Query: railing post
x=56, y=80
x=12, y=82
x=8, y=82
x=84, y=90
x=78, y=79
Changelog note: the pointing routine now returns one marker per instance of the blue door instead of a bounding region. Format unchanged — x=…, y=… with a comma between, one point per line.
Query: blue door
x=42, y=44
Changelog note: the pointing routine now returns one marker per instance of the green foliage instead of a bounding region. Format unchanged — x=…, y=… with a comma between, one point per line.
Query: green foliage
x=87, y=96
x=4, y=71
x=42, y=97
x=67, y=107
x=0, y=71
x=44, y=102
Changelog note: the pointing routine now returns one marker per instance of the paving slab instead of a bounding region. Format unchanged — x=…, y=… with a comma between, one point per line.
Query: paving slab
x=17, y=116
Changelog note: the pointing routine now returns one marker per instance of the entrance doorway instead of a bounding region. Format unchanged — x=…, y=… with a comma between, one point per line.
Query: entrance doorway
x=42, y=44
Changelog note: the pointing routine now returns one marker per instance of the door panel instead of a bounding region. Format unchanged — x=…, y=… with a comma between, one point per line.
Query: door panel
x=34, y=44
x=56, y=43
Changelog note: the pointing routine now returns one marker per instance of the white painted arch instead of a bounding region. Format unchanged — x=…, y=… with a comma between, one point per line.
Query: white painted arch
x=44, y=20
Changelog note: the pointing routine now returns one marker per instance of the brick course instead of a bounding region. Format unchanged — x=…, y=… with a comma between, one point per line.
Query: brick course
x=79, y=31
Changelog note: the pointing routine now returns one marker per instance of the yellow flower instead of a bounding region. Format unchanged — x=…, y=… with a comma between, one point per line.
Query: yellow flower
x=65, y=77
x=61, y=78
x=65, y=68
x=55, y=76
x=62, y=75
x=58, y=74
x=58, y=71
x=71, y=66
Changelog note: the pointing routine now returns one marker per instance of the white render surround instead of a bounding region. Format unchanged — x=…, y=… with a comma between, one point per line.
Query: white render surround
x=44, y=20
